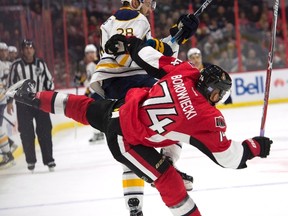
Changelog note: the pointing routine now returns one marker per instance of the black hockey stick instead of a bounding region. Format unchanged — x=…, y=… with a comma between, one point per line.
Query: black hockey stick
x=11, y=123
x=269, y=68
x=197, y=14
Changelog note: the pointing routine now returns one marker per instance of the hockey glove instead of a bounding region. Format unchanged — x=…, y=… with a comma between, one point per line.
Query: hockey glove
x=259, y=146
x=116, y=45
x=188, y=25
x=160, y=46
x=87, y=92
x=79, y=79
x=119, y=44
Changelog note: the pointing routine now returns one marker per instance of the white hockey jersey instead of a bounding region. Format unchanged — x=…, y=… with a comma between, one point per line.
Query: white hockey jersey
x=125, y=21
x=4, y=72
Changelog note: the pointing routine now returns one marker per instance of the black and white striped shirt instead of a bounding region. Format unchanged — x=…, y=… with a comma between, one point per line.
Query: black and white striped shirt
x=37, y=70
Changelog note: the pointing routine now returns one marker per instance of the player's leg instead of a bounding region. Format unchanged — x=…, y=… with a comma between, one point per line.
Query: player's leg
x=73, y=106
x=27, y=134
x=7, y=156
x=172, y=153
x=148, y=164
x=44, y=135
x=133, y=188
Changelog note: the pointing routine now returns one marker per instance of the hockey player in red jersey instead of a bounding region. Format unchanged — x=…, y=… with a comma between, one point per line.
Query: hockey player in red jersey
x=179, y=107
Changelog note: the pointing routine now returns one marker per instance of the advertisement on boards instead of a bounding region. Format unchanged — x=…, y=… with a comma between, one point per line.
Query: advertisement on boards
x=250, y=86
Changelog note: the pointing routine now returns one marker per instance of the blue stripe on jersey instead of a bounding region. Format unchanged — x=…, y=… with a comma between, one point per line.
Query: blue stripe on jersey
x=126, y=14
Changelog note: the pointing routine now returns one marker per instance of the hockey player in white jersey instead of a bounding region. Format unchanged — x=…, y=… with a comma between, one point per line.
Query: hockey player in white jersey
x=115, y=75
x=5, y=148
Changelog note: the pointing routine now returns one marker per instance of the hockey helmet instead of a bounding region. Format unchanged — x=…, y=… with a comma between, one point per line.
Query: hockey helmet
x=152, y=5
x=211, y=78
x=27, y=43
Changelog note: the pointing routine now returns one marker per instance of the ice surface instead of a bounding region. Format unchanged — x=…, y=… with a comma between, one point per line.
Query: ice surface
x=87, y=180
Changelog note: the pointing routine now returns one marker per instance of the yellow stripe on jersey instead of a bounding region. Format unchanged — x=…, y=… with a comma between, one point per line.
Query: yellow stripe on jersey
x=108, y=65
x=124, y=59
x=133, y=183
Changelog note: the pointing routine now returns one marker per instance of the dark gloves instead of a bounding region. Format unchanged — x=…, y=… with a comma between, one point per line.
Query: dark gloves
x=79, y=79
x=259, y=146
x=87, y=92
x=119, y=44
x=188, y=25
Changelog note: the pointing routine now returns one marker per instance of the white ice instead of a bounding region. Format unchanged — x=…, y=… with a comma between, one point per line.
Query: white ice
x=87, y=180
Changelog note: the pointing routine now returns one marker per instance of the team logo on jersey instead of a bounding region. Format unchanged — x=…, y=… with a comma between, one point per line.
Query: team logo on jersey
x=38, y=71
x=220, y=122
x=176, y=62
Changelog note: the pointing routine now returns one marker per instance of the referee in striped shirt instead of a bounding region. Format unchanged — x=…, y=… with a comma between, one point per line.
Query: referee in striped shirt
x=31, y=67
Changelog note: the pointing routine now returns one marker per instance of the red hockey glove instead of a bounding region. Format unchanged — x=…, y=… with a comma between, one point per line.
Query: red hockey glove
x=164, y=48
x=188, y=24
x=259, y=146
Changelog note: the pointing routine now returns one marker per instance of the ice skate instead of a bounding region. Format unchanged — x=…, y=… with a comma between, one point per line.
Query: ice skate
x=136, y=213
x=134, y=207
x=23, y=92
x=31, y=167
x=187, y=179
x=51, y=166
x=7, y=160
x=96, y=137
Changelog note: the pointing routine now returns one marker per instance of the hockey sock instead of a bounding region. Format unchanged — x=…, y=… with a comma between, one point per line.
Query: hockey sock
x=73, y=106
x=173, y=193
x=133, y=188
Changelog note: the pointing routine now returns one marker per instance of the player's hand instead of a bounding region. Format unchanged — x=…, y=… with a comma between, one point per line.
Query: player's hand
x=116, y=45
x=119, y=44
x=259, y=146
x=160, y=46
x=87, y=92
x=188, y=24
x=78, y=80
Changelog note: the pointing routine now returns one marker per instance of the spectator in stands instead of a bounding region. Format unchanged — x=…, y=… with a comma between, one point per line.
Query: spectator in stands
x=253, y=62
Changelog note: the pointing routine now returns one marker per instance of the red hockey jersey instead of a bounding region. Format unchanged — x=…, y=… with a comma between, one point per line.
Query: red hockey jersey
x=173, y=110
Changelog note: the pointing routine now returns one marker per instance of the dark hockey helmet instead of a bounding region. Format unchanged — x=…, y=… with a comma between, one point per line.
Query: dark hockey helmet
x=213, y=77
x=27, y=43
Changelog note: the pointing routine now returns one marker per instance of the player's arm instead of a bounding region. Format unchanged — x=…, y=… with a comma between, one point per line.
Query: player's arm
x=230, y=153
x=146, y=54
x=189, y=28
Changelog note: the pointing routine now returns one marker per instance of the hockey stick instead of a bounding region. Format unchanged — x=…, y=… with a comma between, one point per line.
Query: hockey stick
x=11, y=123
x=197, y=14
x=269, y=68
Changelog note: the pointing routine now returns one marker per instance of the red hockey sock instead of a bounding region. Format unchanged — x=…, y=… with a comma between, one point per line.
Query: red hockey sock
x=73, y=106
x=174, y=194
x=46, y=98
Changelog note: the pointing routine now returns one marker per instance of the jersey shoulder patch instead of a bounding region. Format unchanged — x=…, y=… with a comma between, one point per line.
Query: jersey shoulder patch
x=220, y=122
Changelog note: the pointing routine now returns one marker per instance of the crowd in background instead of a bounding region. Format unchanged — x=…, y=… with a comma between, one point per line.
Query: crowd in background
x=216, y=36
